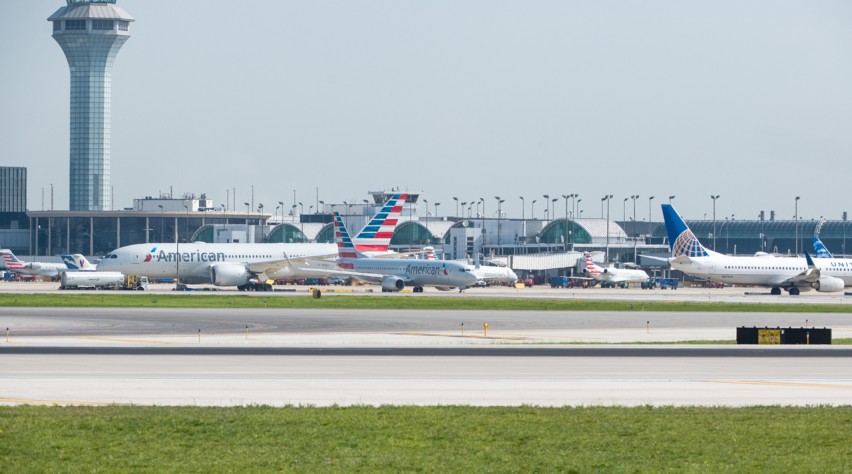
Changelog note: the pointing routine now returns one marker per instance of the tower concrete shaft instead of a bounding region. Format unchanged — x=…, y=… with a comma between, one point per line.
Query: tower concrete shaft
x=90, y=33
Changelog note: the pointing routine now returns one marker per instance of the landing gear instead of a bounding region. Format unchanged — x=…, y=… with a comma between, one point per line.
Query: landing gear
x=794, y=291
x=418, y=289
x=775, y=291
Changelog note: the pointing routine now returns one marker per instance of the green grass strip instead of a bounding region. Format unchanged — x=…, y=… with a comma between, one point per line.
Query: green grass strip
x=395, y=302
x=425, y=439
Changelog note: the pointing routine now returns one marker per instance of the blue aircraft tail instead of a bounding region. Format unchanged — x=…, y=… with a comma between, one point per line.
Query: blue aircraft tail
x=820, y=251
x=681, y=240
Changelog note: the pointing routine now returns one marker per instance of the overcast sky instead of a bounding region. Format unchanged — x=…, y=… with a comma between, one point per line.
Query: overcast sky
x=751, y=100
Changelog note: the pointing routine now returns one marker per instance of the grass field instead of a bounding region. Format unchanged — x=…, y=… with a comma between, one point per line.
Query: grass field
x=395, y=302
x=425, y=439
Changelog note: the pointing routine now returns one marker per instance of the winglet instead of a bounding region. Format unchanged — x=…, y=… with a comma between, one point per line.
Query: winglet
x=809, y=260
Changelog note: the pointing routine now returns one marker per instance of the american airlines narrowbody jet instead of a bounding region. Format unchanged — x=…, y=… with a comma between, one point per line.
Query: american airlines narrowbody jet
x=793, y=274
x=395, y=274
x=246, y=266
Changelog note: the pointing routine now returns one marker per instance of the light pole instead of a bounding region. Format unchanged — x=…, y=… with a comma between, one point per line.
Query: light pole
x=546, y=206
x=457, y=206
x=281, y=205
x=162, y=226
x=301, y=208
x=532, y=209
x=624, y=208
x=523, y=205
x=553, y=208
x=714, y=197
x=464, y=203
x=796, y=218
x=573, y=217
x=649, y=215
x=607, y=198
x=635, y=235
x=565, y=242
x=499, y=202
x=670, y=199
x=436, y=208
x=248, y=208
x=426, y=203
x=484, y=234
x=321, y=207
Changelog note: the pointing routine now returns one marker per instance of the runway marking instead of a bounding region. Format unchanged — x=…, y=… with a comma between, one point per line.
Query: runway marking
x=782, y=384
x=51, y=402
x=142, y=341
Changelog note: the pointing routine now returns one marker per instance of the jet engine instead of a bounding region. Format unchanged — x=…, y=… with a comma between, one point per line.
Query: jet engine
x=229, y=274
x=392, y=283
x=829, y=284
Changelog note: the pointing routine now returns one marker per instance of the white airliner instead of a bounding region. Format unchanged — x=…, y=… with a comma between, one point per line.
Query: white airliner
x=31, y=268
x=490, y=273
x=396, y=274
x=247, y=266
x=793, y=274
x=611, y=276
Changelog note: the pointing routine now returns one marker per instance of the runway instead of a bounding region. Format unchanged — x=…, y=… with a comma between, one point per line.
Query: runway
x=322, y=357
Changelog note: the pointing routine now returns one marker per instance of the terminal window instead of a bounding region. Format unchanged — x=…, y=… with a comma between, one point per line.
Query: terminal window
x=123, y=25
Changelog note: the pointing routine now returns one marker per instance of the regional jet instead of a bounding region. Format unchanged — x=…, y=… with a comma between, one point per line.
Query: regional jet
x=611, y=276
x=31, y=268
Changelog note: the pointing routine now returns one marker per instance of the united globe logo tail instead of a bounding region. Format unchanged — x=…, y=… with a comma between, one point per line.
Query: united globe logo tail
x=681, y=240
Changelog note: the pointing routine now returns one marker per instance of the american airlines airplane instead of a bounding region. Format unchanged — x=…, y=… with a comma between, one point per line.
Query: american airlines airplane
x=31, y=268
x=78, y=263
x=246, y=266
x=793, y=274
x=396, y=274
x=611, y=276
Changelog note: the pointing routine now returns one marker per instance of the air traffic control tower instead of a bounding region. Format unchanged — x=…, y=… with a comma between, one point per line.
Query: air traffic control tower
x=90, y=33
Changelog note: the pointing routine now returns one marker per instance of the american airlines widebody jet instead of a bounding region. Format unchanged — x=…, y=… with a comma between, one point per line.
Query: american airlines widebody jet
x=793, y=274
x=247, y=266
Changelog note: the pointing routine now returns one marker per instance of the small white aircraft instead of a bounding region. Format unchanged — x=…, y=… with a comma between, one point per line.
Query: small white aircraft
x=611, y=276
x=31, y=268
x=78, y=263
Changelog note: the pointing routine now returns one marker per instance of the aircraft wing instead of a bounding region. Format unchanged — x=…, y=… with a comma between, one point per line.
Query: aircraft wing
x=809, y=275
x=271, y=266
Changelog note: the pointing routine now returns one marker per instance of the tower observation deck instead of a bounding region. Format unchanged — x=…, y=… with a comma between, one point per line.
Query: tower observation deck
x=90, y=33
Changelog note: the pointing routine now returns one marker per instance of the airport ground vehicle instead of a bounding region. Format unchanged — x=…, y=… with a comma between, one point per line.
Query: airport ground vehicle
x=102, y=280
x=661, y=283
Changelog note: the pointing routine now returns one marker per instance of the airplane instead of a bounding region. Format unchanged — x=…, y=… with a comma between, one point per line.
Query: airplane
x=31, y=268
x=820, y=250
x=486, y=272
x=77, y=262
x=793, y=274
x=395, y=274
x=611, y=276
x=247, y=266
x=374, y=239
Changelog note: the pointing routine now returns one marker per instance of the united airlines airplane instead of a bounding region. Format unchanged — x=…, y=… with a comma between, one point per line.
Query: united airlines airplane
x=793, y=274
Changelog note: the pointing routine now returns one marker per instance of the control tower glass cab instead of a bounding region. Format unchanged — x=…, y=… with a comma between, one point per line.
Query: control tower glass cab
x=90, y=33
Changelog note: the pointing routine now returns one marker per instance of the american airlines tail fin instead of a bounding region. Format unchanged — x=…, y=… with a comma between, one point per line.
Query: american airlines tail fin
x=681, y=240
x=591, y=267
x=376, y=235
x=11, y=260
x=345, y=247
x=77, y=262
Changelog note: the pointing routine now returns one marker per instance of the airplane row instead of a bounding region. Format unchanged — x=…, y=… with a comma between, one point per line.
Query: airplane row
x=367, y=257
